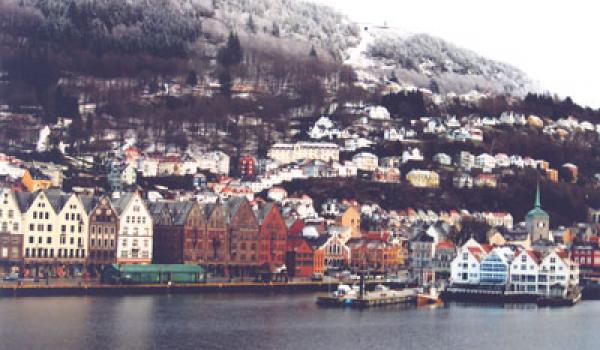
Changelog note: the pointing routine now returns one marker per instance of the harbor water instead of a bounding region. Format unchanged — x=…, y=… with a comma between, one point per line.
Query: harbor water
x=285, y=321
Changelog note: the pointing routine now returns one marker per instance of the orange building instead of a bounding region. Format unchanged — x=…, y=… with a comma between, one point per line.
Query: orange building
x=350, y=217
x=34, y=180
x=375, y=255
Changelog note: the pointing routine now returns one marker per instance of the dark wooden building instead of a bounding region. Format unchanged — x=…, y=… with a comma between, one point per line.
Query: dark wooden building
x=103, y=230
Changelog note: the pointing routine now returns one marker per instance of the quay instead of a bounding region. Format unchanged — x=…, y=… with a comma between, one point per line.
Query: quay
x=14, y=290
x=506, y=297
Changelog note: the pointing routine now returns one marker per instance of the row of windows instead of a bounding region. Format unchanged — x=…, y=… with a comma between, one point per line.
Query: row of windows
x=133, y=219
x=49, y=253
x=101, y=229
x=135, y=231
x=134, y=242
x=63, y=228
x=15, y=226
x=63, y=240
x=41, y=215
x=135, y=254
x=102, y=243
x=73, y=216
x=11, y=213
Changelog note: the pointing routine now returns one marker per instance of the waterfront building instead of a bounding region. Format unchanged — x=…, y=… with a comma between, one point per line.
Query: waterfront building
x=557, y=274
x=103, y=228
x=494, y=267
x=465, y=267
x=304, y=258
x=524, y=271
x=444, y=253
x=243, y=229
x=216, y=243
x=374, y=255
x=135, y=231
x=422, y=248
x=272, y=236
x=56, y=232
x=170, y=221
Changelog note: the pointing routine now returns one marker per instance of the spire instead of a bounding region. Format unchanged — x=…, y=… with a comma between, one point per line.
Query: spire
x=537, y=204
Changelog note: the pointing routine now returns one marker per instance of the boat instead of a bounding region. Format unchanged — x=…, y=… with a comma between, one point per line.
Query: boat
x=355, y=296
x=572, y=298
x=430, y=298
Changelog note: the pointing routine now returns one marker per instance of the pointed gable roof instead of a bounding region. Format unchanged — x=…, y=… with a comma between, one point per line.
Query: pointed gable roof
x=121, y=203
x=24, y=200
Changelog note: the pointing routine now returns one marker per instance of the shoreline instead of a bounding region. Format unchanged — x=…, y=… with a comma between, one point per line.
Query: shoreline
x=122, y=290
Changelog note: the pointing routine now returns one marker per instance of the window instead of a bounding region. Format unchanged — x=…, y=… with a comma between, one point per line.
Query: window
x=49, y=228
x=40, y=227
x=35, y=214
x=63, y=228
x=72, y=241
x=15, y=226
x=49, y=240
x=124, y=243
x=46, y=216
x=31, y=226
x=11, y=213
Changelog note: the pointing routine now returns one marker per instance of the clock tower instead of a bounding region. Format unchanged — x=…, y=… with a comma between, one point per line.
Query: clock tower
x=537, y=220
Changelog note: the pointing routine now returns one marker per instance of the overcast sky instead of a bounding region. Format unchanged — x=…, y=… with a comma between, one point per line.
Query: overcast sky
x=556, y=42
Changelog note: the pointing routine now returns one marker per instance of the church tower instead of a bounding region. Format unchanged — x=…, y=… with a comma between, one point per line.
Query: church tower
x=537, y=220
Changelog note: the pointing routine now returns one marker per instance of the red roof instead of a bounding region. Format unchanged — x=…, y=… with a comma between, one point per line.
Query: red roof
x=486, y=247
x=445, y=245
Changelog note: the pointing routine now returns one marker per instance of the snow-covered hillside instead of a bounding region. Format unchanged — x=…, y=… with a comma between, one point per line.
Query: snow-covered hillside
x=428, y=62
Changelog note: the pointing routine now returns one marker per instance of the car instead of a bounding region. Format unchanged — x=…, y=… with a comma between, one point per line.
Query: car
x=11, y=277
x=316, y=277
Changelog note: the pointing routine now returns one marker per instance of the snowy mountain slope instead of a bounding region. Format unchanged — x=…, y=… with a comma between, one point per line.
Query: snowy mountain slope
x=425, y=61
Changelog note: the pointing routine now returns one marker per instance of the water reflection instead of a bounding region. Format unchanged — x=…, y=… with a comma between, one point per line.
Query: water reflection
x=280, y=321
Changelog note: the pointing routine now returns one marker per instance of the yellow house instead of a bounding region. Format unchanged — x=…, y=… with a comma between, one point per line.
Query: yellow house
x=350, y=218
x=34, y=181
x=423, y=178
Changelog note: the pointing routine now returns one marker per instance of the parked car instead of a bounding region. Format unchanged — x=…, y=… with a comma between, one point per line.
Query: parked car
x=316, y=277
x=11, y=277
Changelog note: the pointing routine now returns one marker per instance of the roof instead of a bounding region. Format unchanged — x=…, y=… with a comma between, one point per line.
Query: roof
x=262, y=211
x=177, y=211
x=24, y=200
x=121, y=203
x=317, y=242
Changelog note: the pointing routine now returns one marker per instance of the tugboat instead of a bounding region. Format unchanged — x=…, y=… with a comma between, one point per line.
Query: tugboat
x=430, y=298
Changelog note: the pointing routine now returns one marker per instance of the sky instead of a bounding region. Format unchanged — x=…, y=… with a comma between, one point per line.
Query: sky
x=555, y=42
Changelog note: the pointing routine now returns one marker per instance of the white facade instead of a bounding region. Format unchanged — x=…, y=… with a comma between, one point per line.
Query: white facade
x=366, y=161
x=135, y=232
x=10, y=214
x=287, y=153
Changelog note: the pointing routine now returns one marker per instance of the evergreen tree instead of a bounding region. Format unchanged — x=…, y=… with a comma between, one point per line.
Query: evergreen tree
x=231, y=54
x=225, y=82
x=192, y=79
x=251, y=25
x=275, y=30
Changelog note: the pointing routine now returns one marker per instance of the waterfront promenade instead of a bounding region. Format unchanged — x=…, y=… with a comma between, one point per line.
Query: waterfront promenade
x=72, y=287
